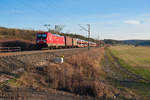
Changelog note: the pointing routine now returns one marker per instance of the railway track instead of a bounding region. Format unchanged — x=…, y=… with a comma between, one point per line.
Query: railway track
x=4, y=54
x=32, y=94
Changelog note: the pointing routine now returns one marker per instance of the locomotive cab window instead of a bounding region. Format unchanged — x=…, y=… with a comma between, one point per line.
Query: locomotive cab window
x=44, y=36
x=41, y=36
x=38, y=35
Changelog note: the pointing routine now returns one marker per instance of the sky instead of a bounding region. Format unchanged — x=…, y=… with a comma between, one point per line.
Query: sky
x=109, y=19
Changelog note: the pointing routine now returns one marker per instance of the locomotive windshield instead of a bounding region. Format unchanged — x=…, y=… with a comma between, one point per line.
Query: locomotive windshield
x=41, y=36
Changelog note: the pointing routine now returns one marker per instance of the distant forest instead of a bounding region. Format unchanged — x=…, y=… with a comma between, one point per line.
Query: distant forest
x=128, y=42
x=137, y=42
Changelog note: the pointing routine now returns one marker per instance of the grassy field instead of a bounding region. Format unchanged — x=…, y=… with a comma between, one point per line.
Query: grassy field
x=135, y=59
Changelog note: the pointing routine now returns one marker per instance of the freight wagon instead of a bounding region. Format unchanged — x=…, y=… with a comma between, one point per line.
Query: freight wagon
x=74, y=42
x=68, y=42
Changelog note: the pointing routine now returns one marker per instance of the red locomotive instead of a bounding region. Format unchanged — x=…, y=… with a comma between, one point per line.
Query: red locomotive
x=47, y=39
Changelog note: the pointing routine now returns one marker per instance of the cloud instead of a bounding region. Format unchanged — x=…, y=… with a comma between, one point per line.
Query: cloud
x=136, y=22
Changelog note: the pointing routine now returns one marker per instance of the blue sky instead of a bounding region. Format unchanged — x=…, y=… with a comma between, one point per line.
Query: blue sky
x=113, y=19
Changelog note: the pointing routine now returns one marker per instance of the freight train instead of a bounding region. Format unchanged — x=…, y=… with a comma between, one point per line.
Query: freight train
x=47, y=39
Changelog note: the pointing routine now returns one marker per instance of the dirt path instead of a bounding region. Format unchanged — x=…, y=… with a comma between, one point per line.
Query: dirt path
x=111, y=70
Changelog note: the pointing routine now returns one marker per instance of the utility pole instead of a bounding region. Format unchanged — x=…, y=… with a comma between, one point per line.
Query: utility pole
x=99, y=40
x=89, y=35
x=89, y=32
x=47, y=26
x=59, y=28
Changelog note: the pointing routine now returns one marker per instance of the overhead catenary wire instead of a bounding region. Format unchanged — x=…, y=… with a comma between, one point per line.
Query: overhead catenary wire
x=89, y=31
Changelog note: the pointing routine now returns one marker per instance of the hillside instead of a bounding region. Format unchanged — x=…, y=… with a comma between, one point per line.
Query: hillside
x=112, y=42
x=10, y=33
x=10, y=37
x=29, y=35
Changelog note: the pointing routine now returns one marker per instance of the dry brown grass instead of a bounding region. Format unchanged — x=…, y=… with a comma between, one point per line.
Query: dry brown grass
x=80, y=74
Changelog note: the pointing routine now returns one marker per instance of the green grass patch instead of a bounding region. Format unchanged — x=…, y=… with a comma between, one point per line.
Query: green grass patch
x=138, y=70
x=136, y=61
